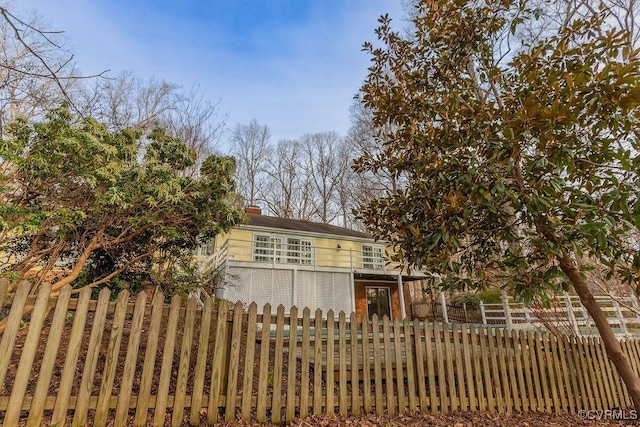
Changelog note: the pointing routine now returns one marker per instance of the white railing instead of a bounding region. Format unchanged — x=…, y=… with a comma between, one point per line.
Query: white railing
x=623, y=314
x=281, y=254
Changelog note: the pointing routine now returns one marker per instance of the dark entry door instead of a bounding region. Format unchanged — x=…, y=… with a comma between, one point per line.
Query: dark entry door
x=378, y=302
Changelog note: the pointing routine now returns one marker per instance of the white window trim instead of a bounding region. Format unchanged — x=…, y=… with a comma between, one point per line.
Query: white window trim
x=373, y=256
x=280, y=246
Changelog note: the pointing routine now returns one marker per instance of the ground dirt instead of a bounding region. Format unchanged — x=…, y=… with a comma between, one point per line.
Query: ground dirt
x=416, y=419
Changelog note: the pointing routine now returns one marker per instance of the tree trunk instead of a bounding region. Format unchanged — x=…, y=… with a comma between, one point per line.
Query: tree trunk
x=611, y=343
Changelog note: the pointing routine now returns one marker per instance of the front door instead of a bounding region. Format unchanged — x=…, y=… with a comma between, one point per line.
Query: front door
x=378, y=302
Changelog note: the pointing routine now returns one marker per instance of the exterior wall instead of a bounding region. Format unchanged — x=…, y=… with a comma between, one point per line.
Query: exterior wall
x=361, y=297
x=333, y=252
x=289, y=287
x=241, y=245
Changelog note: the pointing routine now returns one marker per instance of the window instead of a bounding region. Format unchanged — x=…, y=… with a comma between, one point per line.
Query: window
x=266, y=247
x=299, y=251
x=206, y=249
x=295, y=251
x=378, y=302
x=372, y=257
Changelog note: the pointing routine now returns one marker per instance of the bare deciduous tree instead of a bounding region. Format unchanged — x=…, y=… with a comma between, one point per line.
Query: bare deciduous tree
x=251, y=149
x=287, y=193
x=326, y=168
x=37, y=71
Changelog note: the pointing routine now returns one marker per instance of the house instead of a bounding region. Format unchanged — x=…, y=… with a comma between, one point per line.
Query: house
x=306, y=264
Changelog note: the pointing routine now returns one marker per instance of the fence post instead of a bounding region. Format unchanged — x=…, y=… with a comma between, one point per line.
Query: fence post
x=443, y=305
x=571, y=314
x=483, y=314
x=464, y=309
x=507, y=310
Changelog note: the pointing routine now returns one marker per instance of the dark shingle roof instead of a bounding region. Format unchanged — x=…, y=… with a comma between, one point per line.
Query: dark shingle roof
x=300, y=225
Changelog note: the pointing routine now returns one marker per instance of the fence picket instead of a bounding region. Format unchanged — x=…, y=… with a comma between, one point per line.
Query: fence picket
x=451, y=382
x=440, y=358
x=330, y=373
x=561, y=343
x=541, y=364
x=88, y=373
x=317, y=364
x=111, y=362
x=459, y=364
x=151, y=349
x=290, y=410
x=167, y=363
x=581, y=400
x=276, y=404
x=504, y=372
x=601, y=377
x=476, y=355
x=234, y=363
x=397, y=359
x=594, y=373
x=587, y=372
x=518, y=345
x=48, y=361
x=27, y=356
x=249, y=361
x=122, y=408
x=558, y=380
x=377, y=363
x=201, y=362
x=12, y=324
x=495, y=375
x=367, y=404
x=4, y=290
x=410, y=361
x=342, y=364
x=468, y=372
x=184, y=364
x=420, y=360
x=430, y=373
x=388, y=366
x=355, y=365
x=304, y=363
x=509, y=349
x=487, y=365
x=263, y=374
x=607, y=367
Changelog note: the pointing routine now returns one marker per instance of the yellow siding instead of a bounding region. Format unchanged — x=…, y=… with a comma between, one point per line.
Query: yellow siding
x=328, y=252
x=329, y=255
x=241, y=245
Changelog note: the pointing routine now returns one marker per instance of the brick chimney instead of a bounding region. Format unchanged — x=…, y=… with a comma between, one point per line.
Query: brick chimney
x=251, y=209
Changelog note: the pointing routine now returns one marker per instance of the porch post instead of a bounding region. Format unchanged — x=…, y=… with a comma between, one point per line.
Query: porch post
x=403, y=310
x=353, y=281
x=443, y=305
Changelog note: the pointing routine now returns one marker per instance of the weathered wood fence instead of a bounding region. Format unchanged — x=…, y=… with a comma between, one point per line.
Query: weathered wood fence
x=74, y=359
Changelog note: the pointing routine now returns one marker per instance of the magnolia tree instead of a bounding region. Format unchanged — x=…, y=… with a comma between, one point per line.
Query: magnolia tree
x=523, y=165
x=83, y=205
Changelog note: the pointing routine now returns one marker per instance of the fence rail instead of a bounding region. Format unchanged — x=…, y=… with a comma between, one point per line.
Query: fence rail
x=138, y=361
x=566, y=310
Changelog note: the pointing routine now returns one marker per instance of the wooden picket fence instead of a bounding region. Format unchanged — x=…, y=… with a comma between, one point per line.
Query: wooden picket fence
x=132, y=361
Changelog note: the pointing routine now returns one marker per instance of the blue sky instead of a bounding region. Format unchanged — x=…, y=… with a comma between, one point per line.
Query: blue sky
x=291, y=64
